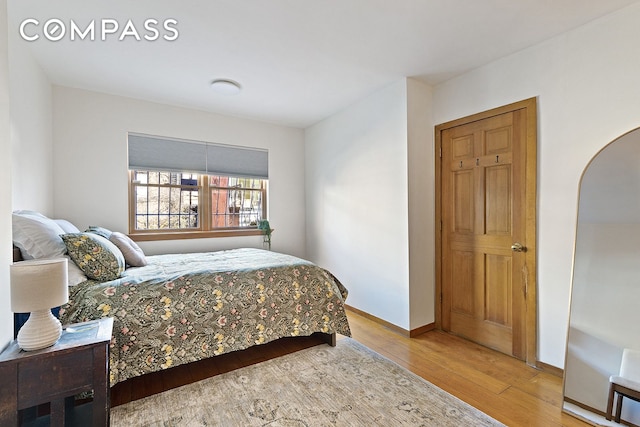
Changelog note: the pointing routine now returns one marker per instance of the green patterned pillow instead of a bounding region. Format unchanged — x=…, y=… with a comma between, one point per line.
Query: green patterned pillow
x=97, y=257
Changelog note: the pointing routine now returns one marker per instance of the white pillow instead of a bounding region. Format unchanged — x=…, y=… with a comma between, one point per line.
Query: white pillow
x=66, y=226
x=37, y=236
x=25, y=212
x=75, y=275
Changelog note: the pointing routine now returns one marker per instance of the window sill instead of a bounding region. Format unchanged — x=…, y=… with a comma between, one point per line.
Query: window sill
x=178, y=235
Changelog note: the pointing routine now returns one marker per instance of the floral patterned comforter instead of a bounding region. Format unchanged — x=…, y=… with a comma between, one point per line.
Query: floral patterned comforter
x=186, y=307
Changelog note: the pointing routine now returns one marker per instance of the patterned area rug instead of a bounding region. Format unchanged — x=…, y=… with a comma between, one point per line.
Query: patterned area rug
x=346, y=385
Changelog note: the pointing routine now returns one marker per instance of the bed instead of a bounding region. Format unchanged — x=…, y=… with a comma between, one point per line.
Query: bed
x=181, y=308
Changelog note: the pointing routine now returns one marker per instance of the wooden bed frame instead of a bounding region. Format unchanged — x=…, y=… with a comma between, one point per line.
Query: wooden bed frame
x=17, y=256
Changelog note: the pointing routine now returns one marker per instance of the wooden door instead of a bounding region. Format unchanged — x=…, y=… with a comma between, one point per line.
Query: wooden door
x=487, y=228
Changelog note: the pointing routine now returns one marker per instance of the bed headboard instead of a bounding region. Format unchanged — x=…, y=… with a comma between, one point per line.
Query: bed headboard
x=17, y=256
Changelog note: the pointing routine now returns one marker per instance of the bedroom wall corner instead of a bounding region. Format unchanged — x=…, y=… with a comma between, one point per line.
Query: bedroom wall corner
x=421, y=188
x=357, y=201
x=6, y=317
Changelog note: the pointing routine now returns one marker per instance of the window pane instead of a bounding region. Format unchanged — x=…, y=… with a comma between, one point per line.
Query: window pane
x=235, y=207
x=231, y=181
x=166, y=200
x=153, y=200
x=142, y=222
x=154, y=177
x=141, y=176
x=152, y=222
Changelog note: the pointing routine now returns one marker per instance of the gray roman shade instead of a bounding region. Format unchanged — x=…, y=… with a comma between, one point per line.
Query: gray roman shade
x=179, y=155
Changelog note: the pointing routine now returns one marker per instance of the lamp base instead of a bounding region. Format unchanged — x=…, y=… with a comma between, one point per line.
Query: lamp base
x=40, y=331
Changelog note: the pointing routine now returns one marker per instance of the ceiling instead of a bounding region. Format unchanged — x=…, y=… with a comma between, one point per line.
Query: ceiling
x=298, y=61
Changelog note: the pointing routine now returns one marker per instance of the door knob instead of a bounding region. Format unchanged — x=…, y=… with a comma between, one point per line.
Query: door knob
x=517, y=247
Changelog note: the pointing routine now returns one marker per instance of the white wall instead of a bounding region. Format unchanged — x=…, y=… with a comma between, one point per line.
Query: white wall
x=588, y=94
x=357, y=201
x=6, y=317
x=26, y=169
x=26, y=166
x=31, y=138
x=421, y=186
x=90, y=164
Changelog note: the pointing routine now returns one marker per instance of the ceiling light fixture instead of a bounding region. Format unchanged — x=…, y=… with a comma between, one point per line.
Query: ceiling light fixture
x=226, y=86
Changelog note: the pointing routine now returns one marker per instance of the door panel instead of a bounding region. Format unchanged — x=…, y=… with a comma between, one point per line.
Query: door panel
x=483, y=182
x=498, y=200
x=464, y=201
x=498, y=295
x=462, y=281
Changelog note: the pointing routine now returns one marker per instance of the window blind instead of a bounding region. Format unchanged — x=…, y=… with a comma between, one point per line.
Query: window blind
x=179, y=155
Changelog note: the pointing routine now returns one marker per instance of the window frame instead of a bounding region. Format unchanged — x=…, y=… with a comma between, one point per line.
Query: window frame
x=204, y=230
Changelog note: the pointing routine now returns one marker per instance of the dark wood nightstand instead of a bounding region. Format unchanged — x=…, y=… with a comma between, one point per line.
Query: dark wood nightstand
x=77, y=363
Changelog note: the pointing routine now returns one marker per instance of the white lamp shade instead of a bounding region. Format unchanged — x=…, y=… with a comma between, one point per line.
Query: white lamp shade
x=38, y=284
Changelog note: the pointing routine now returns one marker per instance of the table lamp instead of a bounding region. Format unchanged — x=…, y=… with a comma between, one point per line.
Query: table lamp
x=37, y=286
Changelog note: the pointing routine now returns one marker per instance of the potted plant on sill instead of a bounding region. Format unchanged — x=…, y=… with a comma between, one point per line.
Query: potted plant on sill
x=263, y=225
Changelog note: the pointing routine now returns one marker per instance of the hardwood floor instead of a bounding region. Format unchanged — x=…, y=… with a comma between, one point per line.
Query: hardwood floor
x=499, y=385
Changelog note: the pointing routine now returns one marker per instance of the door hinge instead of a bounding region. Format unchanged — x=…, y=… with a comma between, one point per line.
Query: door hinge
x=440, y=151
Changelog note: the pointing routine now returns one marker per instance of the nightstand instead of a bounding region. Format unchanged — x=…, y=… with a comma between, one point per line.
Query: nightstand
x=77, y=363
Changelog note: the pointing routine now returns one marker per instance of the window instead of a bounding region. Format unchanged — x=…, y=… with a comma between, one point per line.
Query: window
x=236, y=202
x=175, y=204
x=165, y=200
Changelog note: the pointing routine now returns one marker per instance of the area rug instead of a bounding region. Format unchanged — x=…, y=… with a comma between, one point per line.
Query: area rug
x=346, y=385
